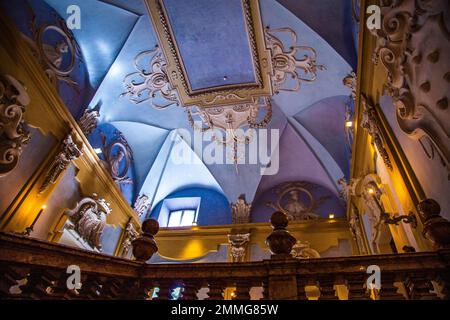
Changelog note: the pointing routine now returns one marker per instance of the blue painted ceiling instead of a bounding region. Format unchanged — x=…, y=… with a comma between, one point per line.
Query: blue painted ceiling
x=207, y=32
x=114, y=32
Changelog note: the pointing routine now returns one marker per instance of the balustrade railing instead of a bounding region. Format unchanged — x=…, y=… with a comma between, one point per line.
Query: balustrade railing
x=34, y=269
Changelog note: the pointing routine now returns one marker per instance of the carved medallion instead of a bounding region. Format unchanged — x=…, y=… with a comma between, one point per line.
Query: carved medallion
x=296, y=201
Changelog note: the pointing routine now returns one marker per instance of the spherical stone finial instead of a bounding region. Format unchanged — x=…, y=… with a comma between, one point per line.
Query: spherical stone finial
x=280, y=241
x=435, y=227
x=150, y=226
x=144, y=246
x=429, y=208
x=279, y=220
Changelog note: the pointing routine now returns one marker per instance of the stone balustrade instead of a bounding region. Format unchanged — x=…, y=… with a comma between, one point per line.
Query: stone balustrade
x=34, y=269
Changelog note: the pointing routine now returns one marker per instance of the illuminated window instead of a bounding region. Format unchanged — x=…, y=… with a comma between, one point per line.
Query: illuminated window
x=182, y=218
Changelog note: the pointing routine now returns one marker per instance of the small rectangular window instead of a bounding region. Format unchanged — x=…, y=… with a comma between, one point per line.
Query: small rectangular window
x=182, y=218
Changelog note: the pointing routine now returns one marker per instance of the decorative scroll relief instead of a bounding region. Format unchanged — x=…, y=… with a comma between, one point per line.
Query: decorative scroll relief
x=88, y=219
x=296, y=201
x=69, y=151
x=228, y=119
x=241, y=210
x=58, y=59
x=150, y=81
x=118, y=156
x=142, y=205
x=285, y=63
x=130, y=234
x=13, y=132
x=414, y=47
x=238, y=246
x=370, y=123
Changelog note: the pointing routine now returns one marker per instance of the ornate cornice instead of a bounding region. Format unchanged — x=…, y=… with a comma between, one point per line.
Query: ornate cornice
x=414, y=47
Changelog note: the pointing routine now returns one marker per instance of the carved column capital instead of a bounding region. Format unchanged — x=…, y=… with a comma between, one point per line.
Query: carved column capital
x=238, y=246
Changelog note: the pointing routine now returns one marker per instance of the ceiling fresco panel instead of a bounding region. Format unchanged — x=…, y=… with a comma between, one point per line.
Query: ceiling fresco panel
x=212, y=39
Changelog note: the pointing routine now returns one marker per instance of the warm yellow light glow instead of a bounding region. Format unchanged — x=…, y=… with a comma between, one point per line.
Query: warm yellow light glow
x=331, y=216
x=44, y=207
x=349, y=124
x=370, y=191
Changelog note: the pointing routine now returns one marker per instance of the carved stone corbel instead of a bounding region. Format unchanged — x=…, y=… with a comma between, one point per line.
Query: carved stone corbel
x=13, y=133
x=238, y=246
x=414, y=47
x=88, y=121
x=69, y=151
x=241, y=210
x=141, y=205
x=372, y=125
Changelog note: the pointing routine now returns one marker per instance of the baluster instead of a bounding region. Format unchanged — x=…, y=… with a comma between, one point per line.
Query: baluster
x=111, y=288
x=420, y=287
x=90, y=288
x=190, y=290
x=59, y=290
x=327, y=290
x=389, y=291
x=37, y=284
x=216, y=289
x=301, y=293
x=265, y=285
x=242, y=290
x=165, y=290
x=132, y=289
x=9, y=278
x=356, y=285
x=443, y=281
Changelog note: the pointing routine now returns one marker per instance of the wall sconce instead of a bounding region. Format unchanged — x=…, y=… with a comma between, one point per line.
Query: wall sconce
x=331, y=216
x=371, y=191
x=408, y=219
x=349, y=124
x=30, y=229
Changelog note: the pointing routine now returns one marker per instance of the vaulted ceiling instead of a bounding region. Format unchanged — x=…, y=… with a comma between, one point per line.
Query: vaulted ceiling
x=311, y=120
